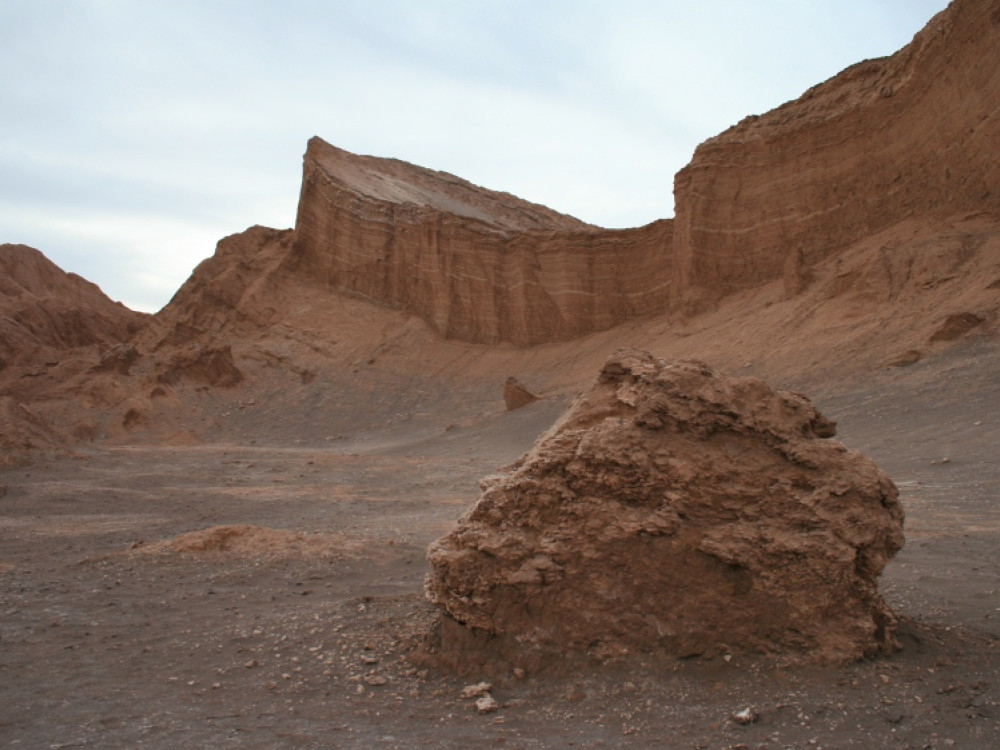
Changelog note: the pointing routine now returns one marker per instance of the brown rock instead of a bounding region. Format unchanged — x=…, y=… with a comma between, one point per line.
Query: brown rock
x=844, y=160
x=677, y=511
x=477, y=265
x=956, y=326
x=119, y=358
x=45, y=310
x=515, y=395
x=212, y=366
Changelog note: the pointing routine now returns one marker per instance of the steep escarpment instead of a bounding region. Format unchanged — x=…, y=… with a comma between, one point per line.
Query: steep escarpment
x=913, y=135
x=477, y=265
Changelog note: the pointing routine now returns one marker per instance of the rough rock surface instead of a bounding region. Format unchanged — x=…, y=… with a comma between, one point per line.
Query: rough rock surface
x=477, y=265
x=883, y=141
x=677, y=511
x=516, y=395
x=43, y=309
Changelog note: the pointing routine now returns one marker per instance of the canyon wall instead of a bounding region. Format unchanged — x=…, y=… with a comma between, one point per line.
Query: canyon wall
x=477, y=265
x=915, y=134
x=912, y=135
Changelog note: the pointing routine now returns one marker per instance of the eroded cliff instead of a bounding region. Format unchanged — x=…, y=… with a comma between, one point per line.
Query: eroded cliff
x=477, y=265
x=912, y=135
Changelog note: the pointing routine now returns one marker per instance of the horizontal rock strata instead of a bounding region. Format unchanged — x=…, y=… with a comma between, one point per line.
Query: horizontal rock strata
x=914, y=134
x=478, y=265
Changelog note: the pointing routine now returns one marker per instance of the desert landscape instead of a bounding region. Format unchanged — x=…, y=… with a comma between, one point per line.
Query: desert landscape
x=440, y=467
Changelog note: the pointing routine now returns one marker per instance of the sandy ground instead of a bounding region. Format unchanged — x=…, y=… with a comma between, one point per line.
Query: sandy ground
x=115, y=633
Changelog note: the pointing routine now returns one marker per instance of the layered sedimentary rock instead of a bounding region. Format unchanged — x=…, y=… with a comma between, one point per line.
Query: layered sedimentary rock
x=915, y=134
x=478, y=265
x=677, y=511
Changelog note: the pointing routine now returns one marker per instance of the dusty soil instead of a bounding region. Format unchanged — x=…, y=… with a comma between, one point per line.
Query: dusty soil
x=114, y=633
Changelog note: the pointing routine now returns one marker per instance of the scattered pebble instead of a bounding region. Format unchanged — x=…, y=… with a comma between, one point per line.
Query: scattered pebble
x=486, y=704
x=473, y=691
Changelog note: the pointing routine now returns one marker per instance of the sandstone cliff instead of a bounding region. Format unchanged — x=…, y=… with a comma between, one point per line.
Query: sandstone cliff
x=477, y=265
x=916, y=134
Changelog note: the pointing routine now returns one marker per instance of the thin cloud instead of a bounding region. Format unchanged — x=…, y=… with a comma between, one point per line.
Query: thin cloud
x=135, y=135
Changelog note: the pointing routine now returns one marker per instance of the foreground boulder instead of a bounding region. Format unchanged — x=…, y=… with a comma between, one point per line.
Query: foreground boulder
x=676, y=511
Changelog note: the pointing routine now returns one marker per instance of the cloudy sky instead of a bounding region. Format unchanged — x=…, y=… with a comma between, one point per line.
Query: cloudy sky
x=136, y=133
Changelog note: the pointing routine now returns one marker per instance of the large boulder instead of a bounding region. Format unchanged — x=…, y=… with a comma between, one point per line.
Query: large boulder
x=676, y=511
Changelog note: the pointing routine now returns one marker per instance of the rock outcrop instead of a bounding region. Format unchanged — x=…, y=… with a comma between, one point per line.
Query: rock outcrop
x=516, y=395
x=676, y=511
x=914, y=134
x=477, y=265
x=44, y=309
x=911, y=135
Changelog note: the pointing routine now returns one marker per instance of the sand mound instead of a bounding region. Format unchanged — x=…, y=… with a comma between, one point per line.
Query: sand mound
x=676, y=511
x=255, y=541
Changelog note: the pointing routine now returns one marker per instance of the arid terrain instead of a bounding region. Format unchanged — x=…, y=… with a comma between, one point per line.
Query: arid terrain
x=112, y=638
x=214, y=520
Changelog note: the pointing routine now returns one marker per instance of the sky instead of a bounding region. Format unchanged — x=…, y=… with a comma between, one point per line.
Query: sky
x=134, y=134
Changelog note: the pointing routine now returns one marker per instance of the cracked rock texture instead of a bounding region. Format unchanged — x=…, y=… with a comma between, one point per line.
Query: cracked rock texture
x=673, y=510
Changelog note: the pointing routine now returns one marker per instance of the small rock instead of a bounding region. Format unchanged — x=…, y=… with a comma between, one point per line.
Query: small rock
x=376, y=679
x=894, y=715
x=485, y=704
x=250, y=664
x=473, y=691
x=519, y=673
x=745, y=716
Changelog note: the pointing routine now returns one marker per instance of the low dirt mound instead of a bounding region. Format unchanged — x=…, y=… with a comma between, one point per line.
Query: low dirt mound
x=676, y=511
x=255, y=541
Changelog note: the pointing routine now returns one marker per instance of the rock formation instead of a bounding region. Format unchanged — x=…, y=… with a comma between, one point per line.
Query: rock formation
x=883, y=141
x=477, y=265
x=914, y=134
x=515, y=395
x=46, y=310
x=676, y=511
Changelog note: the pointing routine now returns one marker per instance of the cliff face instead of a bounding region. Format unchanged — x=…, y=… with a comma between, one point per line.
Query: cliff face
x=477, y=265
x=915, y=134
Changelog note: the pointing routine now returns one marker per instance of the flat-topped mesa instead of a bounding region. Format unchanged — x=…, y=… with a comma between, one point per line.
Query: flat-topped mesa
x=478, y=265
x=913, y=134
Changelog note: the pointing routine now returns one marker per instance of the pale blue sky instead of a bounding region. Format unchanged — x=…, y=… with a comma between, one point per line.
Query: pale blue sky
x=136, y=133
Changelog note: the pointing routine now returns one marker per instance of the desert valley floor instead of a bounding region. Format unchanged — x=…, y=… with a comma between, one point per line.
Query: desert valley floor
x=126, y=624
